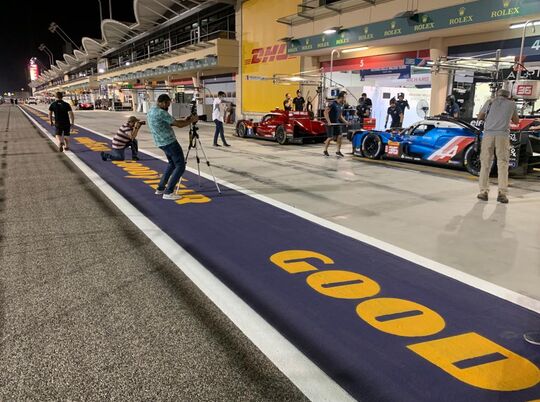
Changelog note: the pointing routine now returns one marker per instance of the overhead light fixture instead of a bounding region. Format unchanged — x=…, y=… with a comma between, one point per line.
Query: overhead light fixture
x=522, y=24
x=332, y=30
x=355, y=49
x=297, y=79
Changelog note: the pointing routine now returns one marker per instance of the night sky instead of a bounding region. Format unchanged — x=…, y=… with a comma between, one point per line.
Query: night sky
x=24, y=25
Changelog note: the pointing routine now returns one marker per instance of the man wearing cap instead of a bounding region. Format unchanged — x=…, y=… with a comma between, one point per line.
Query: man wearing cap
x=497, y=113
x=125, y=137
x=161, y=123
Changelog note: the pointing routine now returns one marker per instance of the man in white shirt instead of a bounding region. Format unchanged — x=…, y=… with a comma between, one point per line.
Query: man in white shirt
x=218, y=113
x=497, y=113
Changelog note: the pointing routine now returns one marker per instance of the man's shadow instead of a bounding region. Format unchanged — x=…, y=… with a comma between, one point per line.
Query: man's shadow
x=479, y=243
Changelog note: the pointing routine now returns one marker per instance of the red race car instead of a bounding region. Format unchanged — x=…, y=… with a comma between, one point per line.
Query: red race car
x=284, y=127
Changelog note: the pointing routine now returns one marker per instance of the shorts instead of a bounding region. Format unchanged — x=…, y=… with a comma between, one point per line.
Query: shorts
x=333, y=131
x=395, y=124
x=63, y=129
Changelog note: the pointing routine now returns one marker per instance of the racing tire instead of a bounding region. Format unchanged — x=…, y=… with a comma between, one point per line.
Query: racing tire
x=241, y=130
x=471, y=160
x=281, y=135
x=372, y=146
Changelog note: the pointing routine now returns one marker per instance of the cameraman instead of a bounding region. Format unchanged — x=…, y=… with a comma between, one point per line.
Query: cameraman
x=125, y=137
x=160, y=123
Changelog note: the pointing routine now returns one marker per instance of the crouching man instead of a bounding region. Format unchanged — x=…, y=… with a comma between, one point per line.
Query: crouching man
x=125, y=137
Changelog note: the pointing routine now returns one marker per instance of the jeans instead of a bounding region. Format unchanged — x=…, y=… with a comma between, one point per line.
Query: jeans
x=219, y=132
x=501, y=146
x=119, y=154
x=175, y=168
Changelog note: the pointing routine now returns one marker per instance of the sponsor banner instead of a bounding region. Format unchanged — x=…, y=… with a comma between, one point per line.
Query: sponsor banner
x=263, y=55
x=474, y=12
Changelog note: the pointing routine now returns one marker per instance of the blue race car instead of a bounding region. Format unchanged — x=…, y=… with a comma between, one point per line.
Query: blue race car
x=438, y=140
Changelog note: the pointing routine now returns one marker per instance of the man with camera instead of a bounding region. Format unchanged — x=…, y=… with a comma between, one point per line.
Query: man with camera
x=125, y=137
x=161, y=123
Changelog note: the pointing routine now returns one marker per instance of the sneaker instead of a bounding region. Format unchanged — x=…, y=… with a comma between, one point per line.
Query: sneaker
x=325, y=153
x=217, y=145
x=502, y=198
x=339, y=154
x=532, y=337
x=159, y=192
x=227, y=145
x=135, y=158
x=61, y=147
x=482, y=196
x=103, y=156
x=172, y=196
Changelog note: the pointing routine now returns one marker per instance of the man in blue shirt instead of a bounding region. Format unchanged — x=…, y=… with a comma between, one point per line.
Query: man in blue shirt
x=160, y=123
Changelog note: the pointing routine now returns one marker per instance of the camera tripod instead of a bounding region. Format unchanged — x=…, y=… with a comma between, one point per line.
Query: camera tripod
x=196, y=144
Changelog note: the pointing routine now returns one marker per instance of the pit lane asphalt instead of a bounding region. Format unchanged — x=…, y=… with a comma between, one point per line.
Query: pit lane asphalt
x=90, y=309
x=430, y=211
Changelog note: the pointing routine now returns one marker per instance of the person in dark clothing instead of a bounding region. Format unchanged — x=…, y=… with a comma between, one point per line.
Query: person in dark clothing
x=63, y=120
x=402, y=102
x=299, y=102
x=364, y=99
x=334, y=117
x=363, y=109
x=452, y=107
x=309, y=107
x=395, y=114
x=287, y=103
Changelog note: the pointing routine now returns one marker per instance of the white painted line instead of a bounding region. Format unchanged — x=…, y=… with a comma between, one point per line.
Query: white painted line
x=478, y=283
x=302, y=372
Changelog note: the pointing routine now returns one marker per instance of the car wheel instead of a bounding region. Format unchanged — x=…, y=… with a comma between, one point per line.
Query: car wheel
x=241, y=130
x=471, y=160
x=281, y=135
x=372, y=146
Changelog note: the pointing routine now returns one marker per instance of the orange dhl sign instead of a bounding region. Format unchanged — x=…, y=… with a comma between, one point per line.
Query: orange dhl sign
x=269, y=54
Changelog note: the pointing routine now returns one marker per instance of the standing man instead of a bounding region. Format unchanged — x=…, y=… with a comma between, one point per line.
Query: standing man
x=497, y=113
x=125, y=137
x=452, y=107
x=364, y=98
x=334, y=116
x=63, y=120
x=218, y=114
x=287, y=103
x=160, y=123
x=396, y=115
x=299, y=102
x=402, y=103
x=363, y=109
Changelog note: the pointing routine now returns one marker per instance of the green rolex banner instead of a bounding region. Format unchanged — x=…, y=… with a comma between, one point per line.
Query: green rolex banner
x=449, y=17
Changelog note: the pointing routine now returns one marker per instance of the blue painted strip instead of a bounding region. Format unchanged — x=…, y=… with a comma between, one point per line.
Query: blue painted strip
x=235, y=235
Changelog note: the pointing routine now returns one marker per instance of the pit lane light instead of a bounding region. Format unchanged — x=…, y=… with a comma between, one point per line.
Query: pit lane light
x=332, y=30
x=521, y=25
x=355, y=49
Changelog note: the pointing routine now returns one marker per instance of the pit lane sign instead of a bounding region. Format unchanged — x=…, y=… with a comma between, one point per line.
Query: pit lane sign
x=474, y=12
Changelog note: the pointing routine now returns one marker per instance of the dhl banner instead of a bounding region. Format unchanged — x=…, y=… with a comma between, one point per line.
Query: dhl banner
x=263, y=55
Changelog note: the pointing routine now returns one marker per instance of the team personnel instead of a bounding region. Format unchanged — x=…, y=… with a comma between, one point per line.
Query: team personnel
x=395, y=114
x=309, y=107
x=288, y=103
x=402, y=102
x=63, y=120
x=125, y=137
x=363, y=110
x=364, y=99
x=299, y=102
x=218, y=114
x=334, y=116
x=497, y=113
x=452, y=107
x=160, y=123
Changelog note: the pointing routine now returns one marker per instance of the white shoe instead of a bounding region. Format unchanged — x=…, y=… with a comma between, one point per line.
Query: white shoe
x=172, y=196
x=159, y=192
